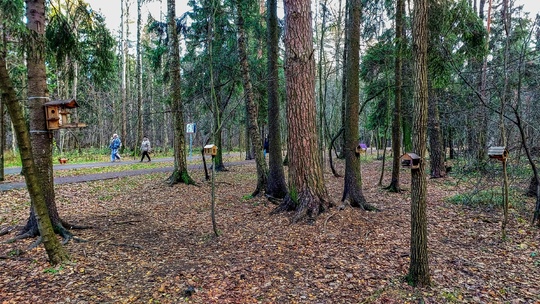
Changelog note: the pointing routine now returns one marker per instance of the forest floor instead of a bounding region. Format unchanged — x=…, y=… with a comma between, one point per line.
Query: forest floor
x=152, y=243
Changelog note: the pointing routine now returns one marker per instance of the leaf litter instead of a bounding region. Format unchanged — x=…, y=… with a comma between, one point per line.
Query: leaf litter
x=152, y=243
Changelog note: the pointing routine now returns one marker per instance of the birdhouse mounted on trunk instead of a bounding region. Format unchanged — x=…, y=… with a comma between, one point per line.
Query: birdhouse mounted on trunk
x=361, y=148
x=210, y=149
x=410, y=160
x=58, y=114
x=500, y=153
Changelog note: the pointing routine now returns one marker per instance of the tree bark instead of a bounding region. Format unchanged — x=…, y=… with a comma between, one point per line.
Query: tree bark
x=123, y=86
x=307, y=192
x=35, y=14
x=276, y=187
x=396, y=122
x=419, y=266
x=262, y=169
x=139, y=77
x=436, y=151
x=180, y=173
x=353, y=177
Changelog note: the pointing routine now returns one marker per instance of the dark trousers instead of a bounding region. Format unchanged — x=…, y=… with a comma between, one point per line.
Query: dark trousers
x=145, y=153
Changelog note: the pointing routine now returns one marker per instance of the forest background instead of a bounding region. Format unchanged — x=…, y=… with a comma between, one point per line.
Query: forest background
x=482, y=90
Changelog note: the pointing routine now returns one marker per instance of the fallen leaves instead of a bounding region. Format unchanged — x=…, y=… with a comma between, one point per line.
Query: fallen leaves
x=152, y=243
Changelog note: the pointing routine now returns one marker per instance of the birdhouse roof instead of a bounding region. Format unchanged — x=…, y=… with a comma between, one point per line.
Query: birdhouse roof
x=410, y=156
x=68, y=103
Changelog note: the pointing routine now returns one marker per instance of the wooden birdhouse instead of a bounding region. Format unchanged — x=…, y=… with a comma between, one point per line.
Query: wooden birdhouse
x=210, y=150
x=361, y=148
x=58, y=114
x=410, y=160
x=500, y=153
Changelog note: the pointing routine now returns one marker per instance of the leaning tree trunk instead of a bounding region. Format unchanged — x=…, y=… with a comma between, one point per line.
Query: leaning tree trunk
x=35, y=15
x=353, y=178
x=307, y=192
x=262, y=169
x=277, y=187
x=419, y=266
x=180, y=173
x=436, y=152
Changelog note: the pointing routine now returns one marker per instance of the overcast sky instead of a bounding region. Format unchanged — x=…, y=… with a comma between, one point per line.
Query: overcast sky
x=111, y=9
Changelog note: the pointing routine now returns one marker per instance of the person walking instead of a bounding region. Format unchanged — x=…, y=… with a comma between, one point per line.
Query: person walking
x=145, y=149
x=114, y=146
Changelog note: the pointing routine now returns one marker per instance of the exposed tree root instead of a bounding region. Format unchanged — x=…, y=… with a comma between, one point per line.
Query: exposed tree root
x=22, y=236
x=286, y=205
x=274, y=200
x=393, y=188
x=35, y=244
x=327, y=219
x=7, y=230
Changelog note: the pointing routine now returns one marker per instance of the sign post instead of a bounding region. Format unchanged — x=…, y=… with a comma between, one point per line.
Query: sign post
x=190, y=129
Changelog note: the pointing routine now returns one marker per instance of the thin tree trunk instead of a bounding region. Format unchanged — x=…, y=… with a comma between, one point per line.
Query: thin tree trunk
x=277, y=186
x=436, y=152
x=262, y=169
x=396, y=122
x=139, y=77
x=124, y=50
x=353, y=177
x=180, y=173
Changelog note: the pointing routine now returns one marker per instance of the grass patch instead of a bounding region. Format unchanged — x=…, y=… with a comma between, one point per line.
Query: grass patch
x=492, y=198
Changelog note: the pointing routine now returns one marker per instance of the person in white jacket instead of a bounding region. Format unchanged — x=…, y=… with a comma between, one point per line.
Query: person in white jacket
x=145, y=148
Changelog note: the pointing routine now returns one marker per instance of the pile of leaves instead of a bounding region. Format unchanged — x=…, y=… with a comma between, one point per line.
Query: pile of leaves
x=151, y=243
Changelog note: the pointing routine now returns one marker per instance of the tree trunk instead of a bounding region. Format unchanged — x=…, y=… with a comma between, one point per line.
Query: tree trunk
x=436, y=152
x=37, y=94
x=180, y=173
x=138, y=76
x=419, y=266
x=124, y=49
x=277, y=187
x=39, y=135
x=353, y=178
x=2, y=139
x=307, y=192
x=396, y=122
x=262, y=169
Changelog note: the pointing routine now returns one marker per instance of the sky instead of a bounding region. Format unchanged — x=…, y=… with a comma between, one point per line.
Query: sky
x=112, y=11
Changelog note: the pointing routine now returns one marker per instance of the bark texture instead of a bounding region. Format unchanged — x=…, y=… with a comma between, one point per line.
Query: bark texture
x=436, y=150
x=276, y=187
x=37, y=95
x=396, y=122
x=353, y=178
x=180, y=173
x=253, y=127
x=35, y=14
x=307, y=192
x=419, y=266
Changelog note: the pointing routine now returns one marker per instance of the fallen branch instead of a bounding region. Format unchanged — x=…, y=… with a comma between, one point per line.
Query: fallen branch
x=6, y=230
x=127, y=222
x=127, y=245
